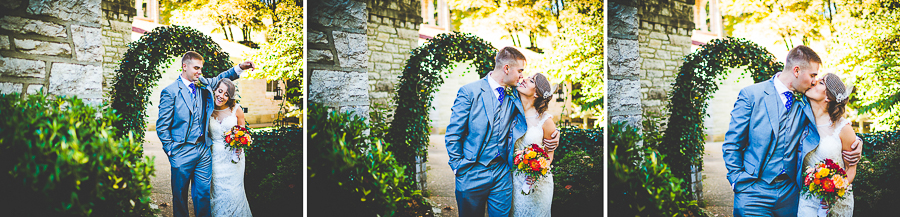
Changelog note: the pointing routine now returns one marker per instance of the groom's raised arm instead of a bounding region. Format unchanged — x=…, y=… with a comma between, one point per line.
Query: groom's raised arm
x=457, y=130
x=737, y=138
x=232, y=73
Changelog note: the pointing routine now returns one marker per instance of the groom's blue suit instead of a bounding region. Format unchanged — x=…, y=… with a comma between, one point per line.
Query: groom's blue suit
x=181, y=128
x=763, y=150
x=479, y=141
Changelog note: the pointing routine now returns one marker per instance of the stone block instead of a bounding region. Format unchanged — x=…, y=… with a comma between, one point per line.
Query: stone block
x=4, y=42
x=381, y=57
x=653, y=64
x=25, y=26
x=316, y=37
x=680, y=40
x=663, y=54
x=623, y=57
x=630, y=120
x=624, y=20
x=351, y=48
x=42, y=47
x=624, y=96
x=359, y=111
x=320, y=56
x=382, y=66
x=8, y=88
x=655, y=43
x=659, y=35
x=69, y=10
x=408, y=33
x=68, y=79
x=35, y=89
x=391, y=48
x=387, y=29
x=16, y=67
x=338, y=13
x=327, y=86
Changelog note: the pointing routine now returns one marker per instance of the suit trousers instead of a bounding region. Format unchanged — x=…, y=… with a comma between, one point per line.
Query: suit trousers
x=482, y=186
x=191, y=166
x=780, y=198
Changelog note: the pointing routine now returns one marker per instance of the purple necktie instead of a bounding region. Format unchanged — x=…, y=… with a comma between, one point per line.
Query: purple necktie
x=502, y=94
x=790, y=100
x=193, y=90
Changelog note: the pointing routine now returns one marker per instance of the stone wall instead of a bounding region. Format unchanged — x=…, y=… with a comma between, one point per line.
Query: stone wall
x=57, y=46
x=338, y=55
x=393, y=31
x=664, y=39
x=117, y=17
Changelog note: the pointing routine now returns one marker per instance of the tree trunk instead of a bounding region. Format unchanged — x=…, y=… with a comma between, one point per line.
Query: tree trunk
x=224, y=30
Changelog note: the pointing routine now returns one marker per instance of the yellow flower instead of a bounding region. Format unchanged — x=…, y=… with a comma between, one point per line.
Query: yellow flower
x=543, y=162
x=544, y=171
x=811, y=187
x=521, y=166
x=239, y=133
x=530, y=155
x=822, y=173
x=840, y=193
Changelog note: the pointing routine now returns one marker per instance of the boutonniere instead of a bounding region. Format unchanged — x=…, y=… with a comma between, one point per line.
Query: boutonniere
x=798, y=97
x=199, y=85
x=510, y=92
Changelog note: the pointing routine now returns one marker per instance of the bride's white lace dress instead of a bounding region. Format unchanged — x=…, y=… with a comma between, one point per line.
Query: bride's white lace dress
x=830, y=146
x=227, y=196
x=538, y=202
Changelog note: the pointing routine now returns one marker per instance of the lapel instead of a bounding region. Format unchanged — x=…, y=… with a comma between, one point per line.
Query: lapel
x=487, y=97
x=185, y=94
x=773, y=106
x=518, y=102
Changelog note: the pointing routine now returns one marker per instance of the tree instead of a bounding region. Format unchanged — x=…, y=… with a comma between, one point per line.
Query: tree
x=511, y=16
x=282, y=58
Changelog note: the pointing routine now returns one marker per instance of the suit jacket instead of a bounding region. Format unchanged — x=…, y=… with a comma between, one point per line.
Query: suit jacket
x=176, y=114
x=755, y=121
x=470, y=128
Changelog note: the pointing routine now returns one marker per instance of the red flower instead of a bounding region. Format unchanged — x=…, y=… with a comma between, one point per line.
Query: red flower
x=828, y=161
x=568, y=187
x=228, y=139
x=243, y=140
x=828, y=185
x=517, y=160
x=535, y=165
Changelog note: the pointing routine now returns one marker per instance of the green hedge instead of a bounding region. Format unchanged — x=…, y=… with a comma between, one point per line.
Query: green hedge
x=273, y=177
x=578, y=172
x=353, y=174
x=875, y=188
x=62, y=158
x=640, y=183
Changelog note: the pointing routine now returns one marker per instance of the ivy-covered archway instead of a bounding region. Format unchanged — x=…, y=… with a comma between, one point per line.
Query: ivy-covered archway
x=423, y=73
x=138, y=71
x=696, y=81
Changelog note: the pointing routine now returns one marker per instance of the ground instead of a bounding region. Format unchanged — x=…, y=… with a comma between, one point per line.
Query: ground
x=441, y=181
x=717, y=191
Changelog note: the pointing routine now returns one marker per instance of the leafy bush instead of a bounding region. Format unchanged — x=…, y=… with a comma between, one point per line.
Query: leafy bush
x=350, y=169
x=875, y=188
x=642, y=183
x=578, y=172
x=64, y=158
x=273, y=179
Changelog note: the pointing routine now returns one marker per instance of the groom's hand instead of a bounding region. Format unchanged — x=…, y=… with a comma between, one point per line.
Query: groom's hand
x=553, y=142
x=854, y=155
x=247, y=65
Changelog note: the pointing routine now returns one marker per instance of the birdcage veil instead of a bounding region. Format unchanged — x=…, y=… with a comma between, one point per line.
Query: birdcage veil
x=836, y=87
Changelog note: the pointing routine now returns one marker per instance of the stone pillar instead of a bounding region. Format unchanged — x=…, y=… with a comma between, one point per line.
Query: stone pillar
x=338, y=55
x=117, y=18
x=624, y=63
x=56, y=46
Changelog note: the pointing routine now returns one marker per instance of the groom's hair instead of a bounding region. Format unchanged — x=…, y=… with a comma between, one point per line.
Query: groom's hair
x=191, y=55
x=507, y=56
x=801, y=55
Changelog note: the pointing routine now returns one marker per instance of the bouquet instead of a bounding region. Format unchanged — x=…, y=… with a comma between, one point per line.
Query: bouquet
x=533, y=162
x=826, y=181
x=238, y=138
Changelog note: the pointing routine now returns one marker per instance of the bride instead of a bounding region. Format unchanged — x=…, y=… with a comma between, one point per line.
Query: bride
x=827, y=100
x=535, y=93
x=227, y=196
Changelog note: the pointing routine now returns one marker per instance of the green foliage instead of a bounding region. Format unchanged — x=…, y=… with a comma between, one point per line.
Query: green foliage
x=408, y=134
x=64, y=158
x=513, y=17
x=282, y=58
x=350, y=169
x=578, y=172
x=642, y=183
x=273, y=177
x=577, y=56
x=139, y=70
x=693, y=87
x=875, y=188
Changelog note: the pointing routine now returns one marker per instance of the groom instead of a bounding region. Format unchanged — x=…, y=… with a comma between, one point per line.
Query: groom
x=770, y=132
x=184, y=110
x=486, y=120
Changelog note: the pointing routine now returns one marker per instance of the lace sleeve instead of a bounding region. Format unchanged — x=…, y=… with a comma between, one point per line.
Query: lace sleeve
x=235, y=109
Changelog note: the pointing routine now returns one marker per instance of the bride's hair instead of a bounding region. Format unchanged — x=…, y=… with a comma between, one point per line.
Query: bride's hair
x=544, y=93
x=834, y=87
x=230, y=93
